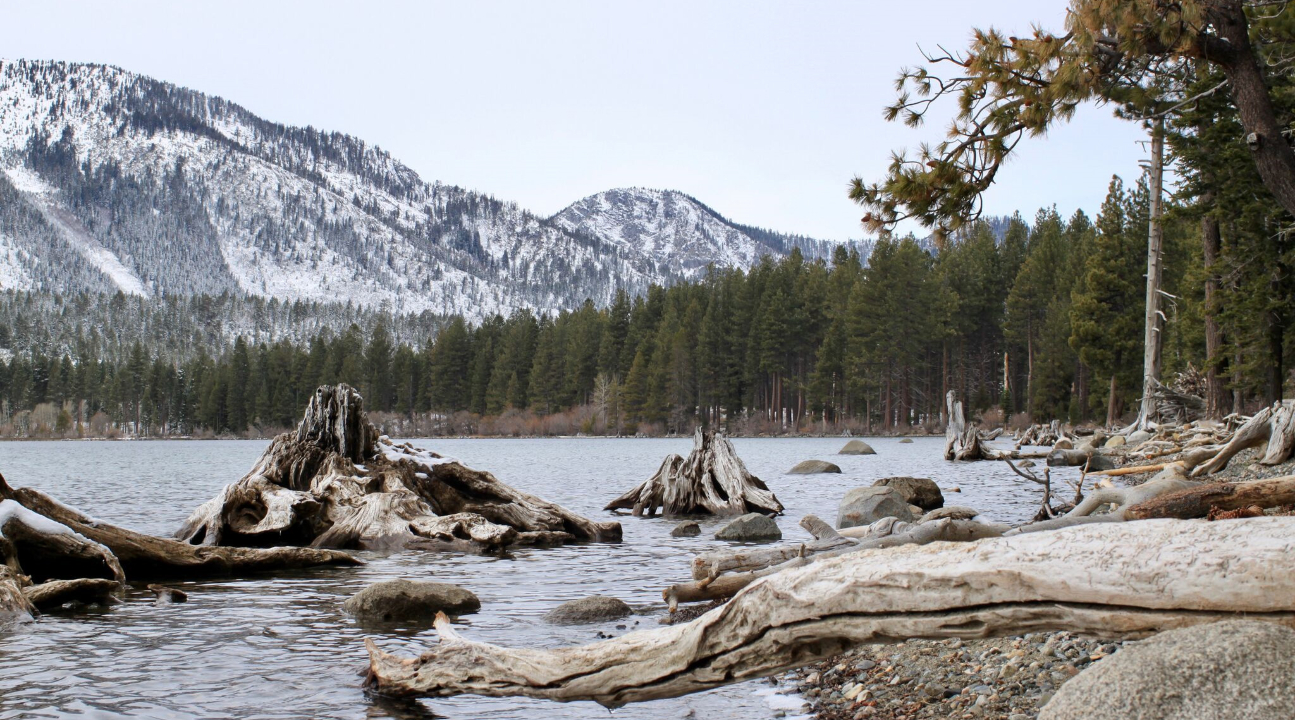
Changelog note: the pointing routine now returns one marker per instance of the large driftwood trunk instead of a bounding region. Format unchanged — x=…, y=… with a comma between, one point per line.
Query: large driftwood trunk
x=712, y=480
x=1120, y=580
x=335, y=483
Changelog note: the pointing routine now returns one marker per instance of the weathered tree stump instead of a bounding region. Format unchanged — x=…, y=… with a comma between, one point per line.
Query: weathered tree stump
x=334, y=483
x=711, y=481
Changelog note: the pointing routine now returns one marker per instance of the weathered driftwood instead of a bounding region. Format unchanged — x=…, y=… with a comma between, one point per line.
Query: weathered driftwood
x=712, y=480
x=1255, y=431
x=55, y=593
x=1135, y=579
x=961, y=439
x=1170, y=480
x=145, y=556
x=1197, y=502
x=749, y=568
x=335, y=483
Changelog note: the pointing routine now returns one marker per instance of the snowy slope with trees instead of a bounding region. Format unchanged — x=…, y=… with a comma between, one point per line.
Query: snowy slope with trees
x=111, y=181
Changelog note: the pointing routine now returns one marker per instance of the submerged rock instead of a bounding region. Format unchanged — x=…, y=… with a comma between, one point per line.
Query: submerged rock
x=410, y=600
x=866, y=505
x=1230, y=670
x=814, y=467
x=857, y=447
x=686, y=529
x=922, y=492
x=752, y=527
x=906, y=441
x=596, y=608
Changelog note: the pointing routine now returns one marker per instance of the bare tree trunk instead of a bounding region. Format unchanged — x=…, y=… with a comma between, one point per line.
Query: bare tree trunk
x=1212, y=241
x=1155, y=234
x=1112, y=406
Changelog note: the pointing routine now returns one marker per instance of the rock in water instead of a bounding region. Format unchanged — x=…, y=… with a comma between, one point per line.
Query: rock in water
x=686, y=529
x=752, y=527
x=410, y=600
x=906, y=441
x=867, y=505
x=921, y=492
x=334, y=483
x=857, y=447
x=814, y=467
x=1230, y=670
x=588, y=610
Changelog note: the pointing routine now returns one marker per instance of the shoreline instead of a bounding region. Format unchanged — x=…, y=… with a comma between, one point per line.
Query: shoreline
x=471, y=437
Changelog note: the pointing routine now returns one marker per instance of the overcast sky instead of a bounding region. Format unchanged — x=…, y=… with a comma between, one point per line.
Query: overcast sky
x=762, y=110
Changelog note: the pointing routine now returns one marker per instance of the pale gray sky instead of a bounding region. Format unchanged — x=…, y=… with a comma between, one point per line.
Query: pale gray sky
x=763, y=110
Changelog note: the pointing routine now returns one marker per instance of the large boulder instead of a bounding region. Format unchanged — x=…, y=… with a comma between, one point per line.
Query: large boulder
x=857, y=447
x=1230, y=670
x=921, y=492
x=751, y=527
x=597, y=608
x=814, y=467
x=867, y=505
x=410, y=600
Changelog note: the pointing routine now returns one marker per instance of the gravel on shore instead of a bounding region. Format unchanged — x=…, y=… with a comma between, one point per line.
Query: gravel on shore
x=1007, y=678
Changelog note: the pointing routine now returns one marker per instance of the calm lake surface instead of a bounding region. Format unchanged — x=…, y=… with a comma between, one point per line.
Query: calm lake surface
x=281, y=647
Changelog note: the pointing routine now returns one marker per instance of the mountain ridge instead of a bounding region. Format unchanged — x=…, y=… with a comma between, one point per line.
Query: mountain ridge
x=111, y=180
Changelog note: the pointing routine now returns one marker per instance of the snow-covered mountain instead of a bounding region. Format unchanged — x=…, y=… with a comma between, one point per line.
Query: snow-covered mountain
x=114, y=181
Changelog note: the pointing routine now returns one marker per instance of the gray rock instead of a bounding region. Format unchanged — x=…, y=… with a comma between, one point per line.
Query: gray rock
x=921, y=492
x=1230, y=670
x=1063, y=444
x=751, y=527
x=906, y=441
x=953, y=512
x=596, y=608
x=814, y=467
x=866, y=505
x=686, y=529
x=1115, y=441
x=857, y=447
x=410, y=600
x=1137, y=437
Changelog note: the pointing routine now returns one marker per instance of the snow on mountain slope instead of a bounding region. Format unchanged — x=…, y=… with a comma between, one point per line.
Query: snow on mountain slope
x=115, y=181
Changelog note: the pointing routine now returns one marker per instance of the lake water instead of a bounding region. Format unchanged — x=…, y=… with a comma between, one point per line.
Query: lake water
x=281, y=647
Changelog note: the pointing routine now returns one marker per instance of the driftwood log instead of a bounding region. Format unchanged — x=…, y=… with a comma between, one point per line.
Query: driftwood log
x=712, y=480
x=1197, y=502
x=1122, y=580
x=334, y=483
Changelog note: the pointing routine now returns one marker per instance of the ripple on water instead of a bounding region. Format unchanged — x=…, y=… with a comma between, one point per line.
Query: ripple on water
x=280, y=647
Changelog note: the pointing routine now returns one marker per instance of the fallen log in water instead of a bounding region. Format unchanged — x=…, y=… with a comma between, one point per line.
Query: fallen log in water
x=335, y=483
x=712, y=480
x=145, y=556
x=1121, y=580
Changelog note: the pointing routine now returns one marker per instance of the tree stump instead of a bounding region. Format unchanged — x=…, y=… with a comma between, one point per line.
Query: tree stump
x=334, y=483
x=712, y=480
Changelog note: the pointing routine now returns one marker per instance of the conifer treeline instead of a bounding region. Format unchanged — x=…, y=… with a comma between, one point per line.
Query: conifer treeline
x=1044, y=318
